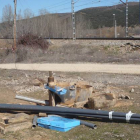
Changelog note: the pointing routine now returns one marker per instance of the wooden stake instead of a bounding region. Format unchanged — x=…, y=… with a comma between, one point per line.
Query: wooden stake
x=51, y=94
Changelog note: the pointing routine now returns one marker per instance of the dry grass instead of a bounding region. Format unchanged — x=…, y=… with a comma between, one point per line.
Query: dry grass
x=70, y=53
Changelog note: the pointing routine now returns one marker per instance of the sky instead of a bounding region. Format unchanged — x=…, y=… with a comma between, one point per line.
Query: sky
x=56, y=6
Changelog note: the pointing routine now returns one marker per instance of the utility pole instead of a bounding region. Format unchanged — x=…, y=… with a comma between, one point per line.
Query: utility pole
x=73, y=20
x=15, y=5
x=126, y=34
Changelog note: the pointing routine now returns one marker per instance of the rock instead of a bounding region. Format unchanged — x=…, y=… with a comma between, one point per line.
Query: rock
x=80, y=79
x=102, y=101
x=42, y=114
x=127, y=97
x=38, y=82
x=16, y=118
x=62, y=76
x=128, y=43
x=123, y=97
x=108, y=92
x=132, y=90
x=119, y=136
x=121, y=103
x=4, y=128
x=123, y=45
x=115, y=90
x=80, y=104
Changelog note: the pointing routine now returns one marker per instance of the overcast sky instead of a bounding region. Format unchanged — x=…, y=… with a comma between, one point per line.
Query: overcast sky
x=57, y=6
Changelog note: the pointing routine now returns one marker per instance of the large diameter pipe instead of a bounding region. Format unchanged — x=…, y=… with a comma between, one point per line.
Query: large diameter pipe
x=98, y=116
x=32, y=100
x=46, y=109
x=68, y=111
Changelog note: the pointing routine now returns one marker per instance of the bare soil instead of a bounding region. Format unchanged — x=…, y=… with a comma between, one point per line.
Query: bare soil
x=14, y=82
x=19, y=82
x=76, y=67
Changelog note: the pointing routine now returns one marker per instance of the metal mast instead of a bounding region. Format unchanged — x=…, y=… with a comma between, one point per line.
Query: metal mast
x=73, y=20
x=126, y=26
x=15, y=5
x=126, y=33
x=139, y=11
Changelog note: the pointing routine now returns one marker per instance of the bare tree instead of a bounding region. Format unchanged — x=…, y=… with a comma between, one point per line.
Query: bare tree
x=7, y=19
x=43, y=12
x=7, y=14
x=28, y=14
x=19, y=15
x=0, y=19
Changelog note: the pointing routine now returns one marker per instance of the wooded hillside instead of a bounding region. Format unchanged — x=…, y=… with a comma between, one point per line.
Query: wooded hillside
x=90, y=22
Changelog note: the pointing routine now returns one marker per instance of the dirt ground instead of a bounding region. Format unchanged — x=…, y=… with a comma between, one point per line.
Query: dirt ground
x=19, y=82
x=76, y=67
x=14, y=82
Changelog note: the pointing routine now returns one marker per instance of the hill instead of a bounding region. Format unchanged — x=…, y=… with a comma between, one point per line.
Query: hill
x=90, y=22
x=103, y=16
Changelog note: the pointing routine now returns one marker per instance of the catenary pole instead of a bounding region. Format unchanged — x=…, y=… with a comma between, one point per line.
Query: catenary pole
x=126, y=22
x=139, y=11
x=73, y=20
x=126, y=34
x=15, y=5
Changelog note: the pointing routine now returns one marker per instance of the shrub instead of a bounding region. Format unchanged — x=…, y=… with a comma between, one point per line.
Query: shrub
x=30, y=40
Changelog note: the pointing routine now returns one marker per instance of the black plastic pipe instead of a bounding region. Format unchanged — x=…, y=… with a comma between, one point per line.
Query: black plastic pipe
x=96, y=116
x=68, y=111
x=91, y=125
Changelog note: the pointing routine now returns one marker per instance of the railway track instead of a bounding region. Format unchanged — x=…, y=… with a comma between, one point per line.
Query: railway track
x=88, y=38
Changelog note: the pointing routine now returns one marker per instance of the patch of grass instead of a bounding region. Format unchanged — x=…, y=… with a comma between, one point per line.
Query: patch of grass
x=106, y=48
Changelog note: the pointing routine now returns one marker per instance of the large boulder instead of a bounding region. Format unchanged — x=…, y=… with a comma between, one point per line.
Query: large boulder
x=102, y=101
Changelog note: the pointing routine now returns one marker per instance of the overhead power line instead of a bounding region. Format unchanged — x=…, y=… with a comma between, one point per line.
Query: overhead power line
x=57, y=5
